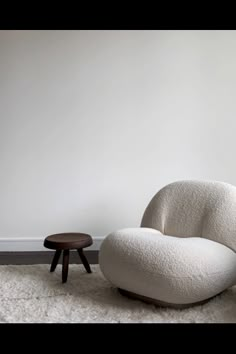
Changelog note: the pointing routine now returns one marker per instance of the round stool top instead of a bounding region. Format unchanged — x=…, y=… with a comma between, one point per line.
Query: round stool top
x=69, y=240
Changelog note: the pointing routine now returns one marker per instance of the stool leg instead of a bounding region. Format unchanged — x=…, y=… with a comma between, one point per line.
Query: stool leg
x=84, y=260
x=65, y=265
x=55, y=260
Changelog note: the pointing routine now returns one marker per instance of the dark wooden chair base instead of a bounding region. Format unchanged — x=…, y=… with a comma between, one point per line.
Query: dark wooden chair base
x=159, y=303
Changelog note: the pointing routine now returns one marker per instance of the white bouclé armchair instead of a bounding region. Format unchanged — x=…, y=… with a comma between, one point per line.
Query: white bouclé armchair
x=184, y=252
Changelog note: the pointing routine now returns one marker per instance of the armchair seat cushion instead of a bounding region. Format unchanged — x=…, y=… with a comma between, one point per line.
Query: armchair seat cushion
x=176, y=270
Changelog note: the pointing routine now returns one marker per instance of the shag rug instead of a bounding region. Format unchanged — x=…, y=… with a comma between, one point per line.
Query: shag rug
x=31, y=294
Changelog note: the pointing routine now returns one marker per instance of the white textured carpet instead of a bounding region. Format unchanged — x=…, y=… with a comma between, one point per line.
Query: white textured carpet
x=31, y=294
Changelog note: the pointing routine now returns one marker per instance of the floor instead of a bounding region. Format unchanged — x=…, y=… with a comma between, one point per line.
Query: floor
x=31, y=294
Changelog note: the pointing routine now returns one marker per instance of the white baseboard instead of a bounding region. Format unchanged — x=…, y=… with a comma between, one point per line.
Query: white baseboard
x=36, y=244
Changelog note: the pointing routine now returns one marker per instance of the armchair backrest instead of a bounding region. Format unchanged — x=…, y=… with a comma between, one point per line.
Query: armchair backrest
x=195, y=209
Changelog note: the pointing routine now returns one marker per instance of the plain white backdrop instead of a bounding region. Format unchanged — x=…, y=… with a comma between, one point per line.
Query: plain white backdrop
x=94, y=123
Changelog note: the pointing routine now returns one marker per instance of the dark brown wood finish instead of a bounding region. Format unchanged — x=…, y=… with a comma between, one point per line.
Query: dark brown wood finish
x=44, y=257
x=84, y=260
x=160, y=303
x=70, y=240
x=55, y=260
x=66, y=242
x=65, y=265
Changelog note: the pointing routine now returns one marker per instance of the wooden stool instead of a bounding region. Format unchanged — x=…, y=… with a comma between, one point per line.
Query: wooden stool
x=67, y=242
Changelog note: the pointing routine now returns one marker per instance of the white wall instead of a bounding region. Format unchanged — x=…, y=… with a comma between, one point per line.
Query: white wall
x=93, y=123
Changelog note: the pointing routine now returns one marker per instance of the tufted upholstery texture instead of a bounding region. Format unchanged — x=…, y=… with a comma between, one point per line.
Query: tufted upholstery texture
x=195, y=209
x=184, y=251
